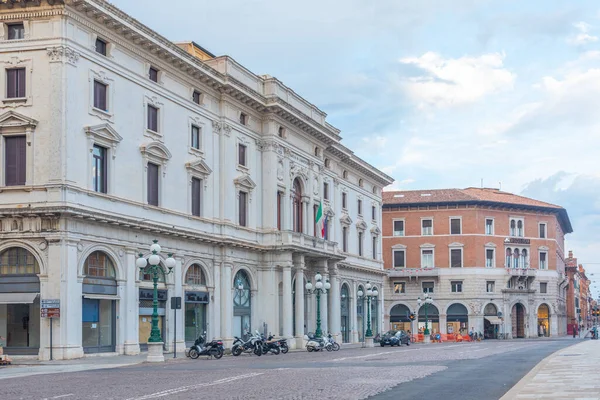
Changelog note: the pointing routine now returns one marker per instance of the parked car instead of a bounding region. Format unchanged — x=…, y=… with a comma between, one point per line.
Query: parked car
x=394, y=338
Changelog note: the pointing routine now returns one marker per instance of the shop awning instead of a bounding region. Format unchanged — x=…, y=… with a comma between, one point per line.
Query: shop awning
x=100, y=296
x=494, y=320
x=18, y=298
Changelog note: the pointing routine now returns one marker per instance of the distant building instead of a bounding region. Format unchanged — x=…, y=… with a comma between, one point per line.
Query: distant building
x=578, y=295
x=491, y=260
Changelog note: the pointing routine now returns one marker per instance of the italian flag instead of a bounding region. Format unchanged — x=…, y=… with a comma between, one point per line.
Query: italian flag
x=320, y=220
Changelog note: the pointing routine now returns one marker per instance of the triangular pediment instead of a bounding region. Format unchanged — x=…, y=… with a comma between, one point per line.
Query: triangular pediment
x=345, y=219
x=11, y=119
x=199, y=167
x=157, y=150
x=375, y=230
x=456, y=244
x=329, y=212
x=104, y=132
x=244, y=181
x=361, y=224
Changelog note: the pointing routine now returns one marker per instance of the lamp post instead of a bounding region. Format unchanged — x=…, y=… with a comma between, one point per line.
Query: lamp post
x=426, y=302
x=320, y=287
x=152, y=266
x=370, y=293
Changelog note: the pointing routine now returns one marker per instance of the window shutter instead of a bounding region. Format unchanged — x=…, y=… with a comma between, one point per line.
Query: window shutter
x=20, y=82
x=16, y=160
x=11, y=83
x=196, y=186
x=153, y=184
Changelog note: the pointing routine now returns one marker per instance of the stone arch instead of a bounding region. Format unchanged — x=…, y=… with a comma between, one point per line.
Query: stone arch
x=462, y=303
x=205, y=269
x=249, y=273
x=498, y=308
x=119, y=270
x=303, y=181
x=7, y=244
x=399, y=303
x=520, y=301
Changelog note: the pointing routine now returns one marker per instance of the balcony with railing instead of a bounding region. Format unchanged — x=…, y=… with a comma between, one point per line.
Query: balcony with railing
x=305, y=242
x=413, y=272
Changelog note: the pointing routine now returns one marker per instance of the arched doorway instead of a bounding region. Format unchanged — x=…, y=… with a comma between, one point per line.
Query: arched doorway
x=146, y=308
x=242, y=310
x=457, y=319
x=99, y=304
x=518, y=321
x=196, y=303
x=19, y=311
x=490, y=321
x=433, y=318
x=297, y=206
x=345, y=313
x=543, y=315
x=399, y=318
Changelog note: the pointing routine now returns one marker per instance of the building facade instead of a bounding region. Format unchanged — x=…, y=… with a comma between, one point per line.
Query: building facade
x=578, y=295
x=492, y=261
x=112, y=137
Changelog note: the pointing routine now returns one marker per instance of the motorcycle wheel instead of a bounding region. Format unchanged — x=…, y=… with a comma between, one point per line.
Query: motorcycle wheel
x=275, y=350
x=194, y=354
x=310, y=349
x=336, y=346
x=382, y=345
x=284, y=349
x=218, y=354
x=265, y=350
x=258, y=351
x=236, y=351
x=329, y=347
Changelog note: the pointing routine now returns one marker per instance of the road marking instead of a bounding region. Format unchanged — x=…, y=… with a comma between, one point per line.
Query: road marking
x=59, y=397
x=181, y=389
x=391, y=352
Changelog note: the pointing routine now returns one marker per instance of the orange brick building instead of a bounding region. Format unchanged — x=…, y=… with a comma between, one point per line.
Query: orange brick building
x=491, y=260
x=578, y=295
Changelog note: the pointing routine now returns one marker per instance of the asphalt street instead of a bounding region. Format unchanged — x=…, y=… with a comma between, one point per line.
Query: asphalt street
x=484, y=370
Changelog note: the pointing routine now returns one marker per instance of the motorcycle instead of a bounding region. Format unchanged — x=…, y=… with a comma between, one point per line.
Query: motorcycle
x=283, y=345
x=334, y=345
x=270, y=345
x=317, y=344
x=201, y=348
x=252, y=345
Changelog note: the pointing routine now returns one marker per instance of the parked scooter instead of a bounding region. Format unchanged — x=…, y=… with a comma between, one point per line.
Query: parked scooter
x=252, y=345
x=270, y=345
x=334, y=345
x=317, y=344
x=201, y=348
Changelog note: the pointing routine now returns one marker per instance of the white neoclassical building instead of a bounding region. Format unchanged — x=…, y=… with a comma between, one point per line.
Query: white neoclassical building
x=111, y=136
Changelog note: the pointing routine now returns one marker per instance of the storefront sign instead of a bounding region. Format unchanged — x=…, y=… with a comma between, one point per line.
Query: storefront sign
x=514, y=240
x=147, y=294
x=196, y=297
x=50, y=303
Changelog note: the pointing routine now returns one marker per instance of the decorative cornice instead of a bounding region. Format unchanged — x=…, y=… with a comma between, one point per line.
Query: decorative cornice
x=63, y=54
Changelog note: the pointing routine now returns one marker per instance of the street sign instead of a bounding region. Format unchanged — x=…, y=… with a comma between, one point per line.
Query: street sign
x=50, y=312
x=50, y=303
x=175, y=303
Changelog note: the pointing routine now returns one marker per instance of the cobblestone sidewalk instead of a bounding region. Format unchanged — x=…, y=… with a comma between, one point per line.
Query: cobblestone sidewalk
x=571, y=373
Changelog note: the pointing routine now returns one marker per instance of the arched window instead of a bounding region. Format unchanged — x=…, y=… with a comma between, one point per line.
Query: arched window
x=195, y=276
x=361, y=182
x=345, y=174
x=524, y=261
x=374, y=189
x=508, y=257
x=490, y=310
x=145, y=274
x=18, y=261
x=513, y=227
x=327, y=163
x=99, y=265
x=242, y=289
x=317, y=152
x=516, y=258
x=520, y=228
x=297, y=206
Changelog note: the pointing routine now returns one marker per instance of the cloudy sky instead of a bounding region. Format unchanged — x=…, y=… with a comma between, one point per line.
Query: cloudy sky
x=435, y=93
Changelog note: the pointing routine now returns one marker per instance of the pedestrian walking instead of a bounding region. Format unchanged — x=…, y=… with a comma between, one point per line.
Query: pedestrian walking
x=574, y=331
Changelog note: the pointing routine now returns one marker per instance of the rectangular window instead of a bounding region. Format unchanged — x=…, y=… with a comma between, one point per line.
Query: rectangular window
x=456, y=258
x=195, y=137
x=325, y=190
x=426, y=258
x=196, y=196
x=489, y=258
x=360, y=243
x=399, y=287
x=153, y=174
x=279, y=199
x=489, y=226
x=427, y=287
x=16, y=31
x=100, y=91
x=344, y=200
x=152, y=118
x=543, y=260
x=243, y=119
x=196, y=97
x=399, y=259
x=101, y=46
x=374, y=213
x=455, y=228
x=542, y=231
x=398, y=228
x=15, y=83
x=243, y=199
x=345, y=239
x=456, y=286
x=99, y=170
x=153, y=74
x=359, y=207
x=490, y=286
x=242, y=155
x=374, y=248
x=426, y=227
x=15, y=156
x=543, y=287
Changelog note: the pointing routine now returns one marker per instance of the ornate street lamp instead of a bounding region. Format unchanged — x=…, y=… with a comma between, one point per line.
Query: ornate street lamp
x=426, y=302
x=370, y=293
x=320, y=287
x=155, y=270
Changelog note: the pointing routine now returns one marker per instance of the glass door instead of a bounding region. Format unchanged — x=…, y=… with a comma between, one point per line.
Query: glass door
x=98, y=325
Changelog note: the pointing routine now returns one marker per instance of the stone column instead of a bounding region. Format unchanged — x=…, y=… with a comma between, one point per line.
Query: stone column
x=214, y=307
x=299, y=265
x=443, y=327
x=226, y=304
x=353, y=314
x=287, y=301
x=178, y=292
x=130, y=312
x=335, y=306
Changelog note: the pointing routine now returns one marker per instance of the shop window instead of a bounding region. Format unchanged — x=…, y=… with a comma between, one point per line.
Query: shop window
x=18, y=261
x=99, y=265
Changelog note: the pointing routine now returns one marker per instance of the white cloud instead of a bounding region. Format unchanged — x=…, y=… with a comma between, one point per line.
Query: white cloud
x=456, y=81
x=583, y=36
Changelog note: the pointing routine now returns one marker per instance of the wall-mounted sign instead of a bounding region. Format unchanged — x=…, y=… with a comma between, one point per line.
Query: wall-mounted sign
x=196, y=297
x=514, y=240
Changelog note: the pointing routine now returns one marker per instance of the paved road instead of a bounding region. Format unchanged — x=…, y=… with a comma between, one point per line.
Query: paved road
x=450, y=371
